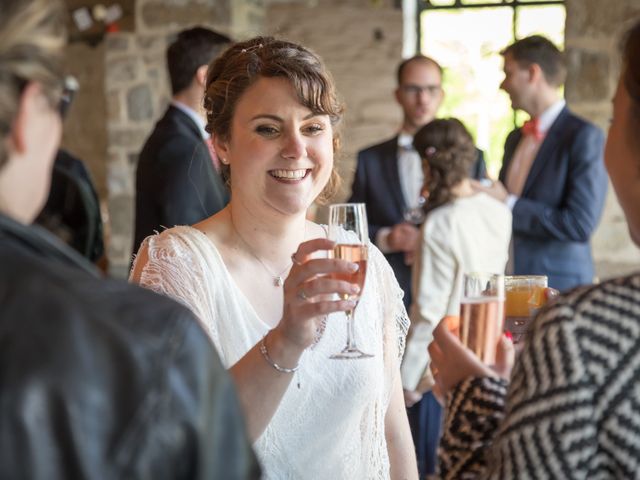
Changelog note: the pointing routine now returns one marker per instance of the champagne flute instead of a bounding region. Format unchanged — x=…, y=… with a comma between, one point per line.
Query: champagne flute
x=348, y=228
x=415, y=214
x=482, y=314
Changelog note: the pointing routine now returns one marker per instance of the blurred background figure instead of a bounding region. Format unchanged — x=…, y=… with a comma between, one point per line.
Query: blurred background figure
x=72, y=211
x=569, y=408
x=389, y=180
x=177, y=179
x=552, y=176
x=464, y=231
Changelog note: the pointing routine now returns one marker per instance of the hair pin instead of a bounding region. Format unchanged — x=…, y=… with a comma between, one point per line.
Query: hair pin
x=250, y=49
x=430, y=151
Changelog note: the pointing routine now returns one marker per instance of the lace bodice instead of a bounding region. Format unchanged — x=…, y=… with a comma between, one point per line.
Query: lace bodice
x=332, y=427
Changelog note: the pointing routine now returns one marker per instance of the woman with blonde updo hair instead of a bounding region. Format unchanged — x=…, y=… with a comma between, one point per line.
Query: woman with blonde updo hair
x=258, y=276
x=463, y=232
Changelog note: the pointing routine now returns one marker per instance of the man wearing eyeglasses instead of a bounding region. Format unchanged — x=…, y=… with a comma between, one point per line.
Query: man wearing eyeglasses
x=389, y=176
x=389, y=181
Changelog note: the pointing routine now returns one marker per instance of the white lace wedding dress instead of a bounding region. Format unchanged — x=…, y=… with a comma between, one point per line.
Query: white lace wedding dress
x=332, y=426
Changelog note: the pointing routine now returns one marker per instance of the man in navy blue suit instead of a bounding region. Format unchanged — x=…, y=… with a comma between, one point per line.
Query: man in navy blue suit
x=553, y=175
x=389, y=180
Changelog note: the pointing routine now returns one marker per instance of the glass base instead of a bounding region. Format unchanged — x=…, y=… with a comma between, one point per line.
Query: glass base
x=350, y=353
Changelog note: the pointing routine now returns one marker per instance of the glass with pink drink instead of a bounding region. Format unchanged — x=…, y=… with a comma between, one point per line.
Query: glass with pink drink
x=481, y=314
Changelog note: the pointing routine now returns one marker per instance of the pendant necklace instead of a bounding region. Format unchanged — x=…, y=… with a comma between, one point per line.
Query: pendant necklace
x=278, y=280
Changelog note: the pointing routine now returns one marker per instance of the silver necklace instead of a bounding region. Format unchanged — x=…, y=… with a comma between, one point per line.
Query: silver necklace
x=278, y=281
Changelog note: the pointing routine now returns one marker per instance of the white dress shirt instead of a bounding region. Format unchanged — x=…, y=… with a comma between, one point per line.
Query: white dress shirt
x=411, y=181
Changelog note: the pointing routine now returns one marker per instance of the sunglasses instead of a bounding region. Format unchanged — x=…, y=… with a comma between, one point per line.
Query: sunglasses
x=59, y=96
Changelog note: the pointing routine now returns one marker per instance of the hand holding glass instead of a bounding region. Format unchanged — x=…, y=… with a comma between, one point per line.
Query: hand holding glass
x=525, y=294
x=349, y=220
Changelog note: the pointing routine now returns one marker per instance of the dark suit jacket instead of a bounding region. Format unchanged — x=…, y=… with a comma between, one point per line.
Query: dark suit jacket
x=176, y=183
x=377, y=184
x=561, y=202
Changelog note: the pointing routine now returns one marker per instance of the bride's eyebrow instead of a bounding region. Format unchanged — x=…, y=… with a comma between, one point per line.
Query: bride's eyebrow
x=280, y=119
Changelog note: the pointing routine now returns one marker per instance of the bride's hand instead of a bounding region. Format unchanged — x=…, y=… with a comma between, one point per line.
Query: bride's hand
x=309, y=292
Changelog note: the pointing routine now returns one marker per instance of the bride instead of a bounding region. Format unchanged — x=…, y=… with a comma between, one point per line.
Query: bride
x=273, y=316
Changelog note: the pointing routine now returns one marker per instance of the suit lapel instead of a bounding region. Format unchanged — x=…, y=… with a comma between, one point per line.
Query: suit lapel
x=509, y=149
x=390, y=171
x=184, y=119
x=545, y=152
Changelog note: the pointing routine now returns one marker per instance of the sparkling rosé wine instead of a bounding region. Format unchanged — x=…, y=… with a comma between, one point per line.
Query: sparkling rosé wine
x=480, y=327
x=356, y=253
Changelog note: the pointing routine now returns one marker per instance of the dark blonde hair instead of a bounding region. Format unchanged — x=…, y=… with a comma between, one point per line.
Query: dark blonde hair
x=241, y=65
x=447, y=148
x=32, y=35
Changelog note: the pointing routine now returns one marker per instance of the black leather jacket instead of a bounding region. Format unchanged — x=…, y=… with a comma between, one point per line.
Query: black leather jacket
x=100, y=379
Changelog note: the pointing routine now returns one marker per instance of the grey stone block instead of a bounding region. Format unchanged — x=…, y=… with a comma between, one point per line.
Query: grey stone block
x=139, y=103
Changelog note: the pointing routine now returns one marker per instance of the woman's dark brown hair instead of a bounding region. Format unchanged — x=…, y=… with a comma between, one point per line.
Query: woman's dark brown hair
x=447, y=148
x=631, y=69
x=241, y=65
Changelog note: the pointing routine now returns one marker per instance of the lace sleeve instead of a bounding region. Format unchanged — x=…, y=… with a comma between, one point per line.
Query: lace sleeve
x=395, y=321
x=172, y=269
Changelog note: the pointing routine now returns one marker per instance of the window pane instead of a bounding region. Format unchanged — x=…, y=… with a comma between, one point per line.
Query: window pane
x=442, y=3
x=547, y=20
x=467, y=43
x=476, y=2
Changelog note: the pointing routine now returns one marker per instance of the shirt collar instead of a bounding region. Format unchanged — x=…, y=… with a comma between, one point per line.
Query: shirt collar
x=405, y=141
x=549, y=116
x=193, y=115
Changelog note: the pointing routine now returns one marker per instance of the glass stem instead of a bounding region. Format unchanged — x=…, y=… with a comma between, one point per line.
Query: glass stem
x=351, y=339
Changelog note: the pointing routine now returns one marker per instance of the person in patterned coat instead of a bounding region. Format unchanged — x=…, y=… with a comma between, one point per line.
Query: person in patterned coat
x=571, y=409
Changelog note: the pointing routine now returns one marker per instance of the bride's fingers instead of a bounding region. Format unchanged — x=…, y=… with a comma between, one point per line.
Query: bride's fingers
x=306, y=310
x=300, y=256
x=319, y=288
x=319, y=266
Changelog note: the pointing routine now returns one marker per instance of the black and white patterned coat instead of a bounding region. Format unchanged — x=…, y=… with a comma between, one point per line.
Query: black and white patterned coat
x=572, y=409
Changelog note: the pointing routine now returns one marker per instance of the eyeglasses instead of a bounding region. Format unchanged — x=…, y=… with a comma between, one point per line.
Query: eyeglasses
x=416, y=90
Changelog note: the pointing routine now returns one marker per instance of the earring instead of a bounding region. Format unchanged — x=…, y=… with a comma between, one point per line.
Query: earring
x=224, y=160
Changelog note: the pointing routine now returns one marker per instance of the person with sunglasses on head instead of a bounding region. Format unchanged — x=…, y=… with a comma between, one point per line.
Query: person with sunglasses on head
x=98, y=378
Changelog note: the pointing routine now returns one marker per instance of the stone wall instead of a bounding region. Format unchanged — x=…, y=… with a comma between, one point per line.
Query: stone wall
x=137, y=93
x=361, y=41
x=592, y=45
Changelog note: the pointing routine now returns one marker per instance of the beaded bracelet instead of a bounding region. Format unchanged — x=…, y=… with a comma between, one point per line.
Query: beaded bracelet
x=265, y=354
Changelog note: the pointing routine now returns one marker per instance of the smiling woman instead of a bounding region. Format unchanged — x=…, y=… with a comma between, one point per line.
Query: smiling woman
x=273, y=112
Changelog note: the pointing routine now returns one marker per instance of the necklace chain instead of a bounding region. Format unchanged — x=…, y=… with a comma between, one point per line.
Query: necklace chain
x=278, y=281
